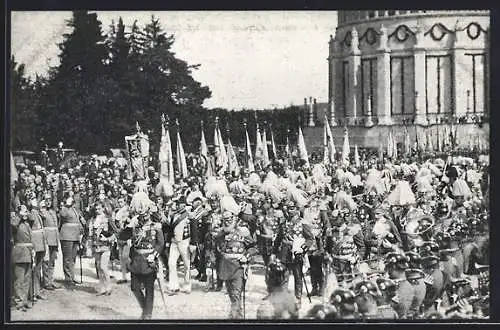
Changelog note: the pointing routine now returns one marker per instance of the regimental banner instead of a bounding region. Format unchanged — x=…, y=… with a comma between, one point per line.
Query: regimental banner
x=137, y=146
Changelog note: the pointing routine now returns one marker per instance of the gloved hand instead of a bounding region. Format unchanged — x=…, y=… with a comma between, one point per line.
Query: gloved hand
x=151, y=258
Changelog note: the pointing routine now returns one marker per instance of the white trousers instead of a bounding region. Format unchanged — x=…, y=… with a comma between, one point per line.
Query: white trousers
x=179, y=249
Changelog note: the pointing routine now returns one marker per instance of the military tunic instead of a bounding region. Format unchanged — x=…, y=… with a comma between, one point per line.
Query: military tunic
x=21, y=259
x=51, y=225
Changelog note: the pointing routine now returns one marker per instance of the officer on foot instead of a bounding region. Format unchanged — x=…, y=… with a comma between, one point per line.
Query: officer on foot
x=237, y=247
x=147, y=243
x=50, y=223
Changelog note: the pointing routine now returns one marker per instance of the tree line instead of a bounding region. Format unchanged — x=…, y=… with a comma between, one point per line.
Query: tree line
x=106, y=82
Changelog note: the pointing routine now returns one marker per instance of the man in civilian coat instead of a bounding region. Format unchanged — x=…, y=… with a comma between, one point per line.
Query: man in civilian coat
x=51, y=225
x=22, y=254
x=72, y=225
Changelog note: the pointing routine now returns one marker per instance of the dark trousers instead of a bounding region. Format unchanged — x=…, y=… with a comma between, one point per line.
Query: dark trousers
x=265, y=258
x=22, y=282
x=295, y=268
x=48, y=266
x=37, y=272
x=201, y=264
x=234, y=289
x=145, y=298
x=316, y=262
x=69, y=251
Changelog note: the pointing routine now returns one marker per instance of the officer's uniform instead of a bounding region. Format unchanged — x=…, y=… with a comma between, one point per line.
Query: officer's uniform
x=313, y=234
x=267, y=234
x=343, y=251
x=51, y=225
x=288, y=232
x=213, y=250
x=236, y=243
x=199, y=228
x=39, y=244
x=72, y=224
x=21, y=260
x=147, y=239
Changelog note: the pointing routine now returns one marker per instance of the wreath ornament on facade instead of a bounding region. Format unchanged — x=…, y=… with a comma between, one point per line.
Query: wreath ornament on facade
x=370, y=35
x=402, y=33
x=438, y=31
x=474, y=30
x=347, y=39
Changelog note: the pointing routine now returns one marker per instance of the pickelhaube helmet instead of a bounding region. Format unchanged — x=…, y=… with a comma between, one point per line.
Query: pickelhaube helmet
x=429, y=248
x=443, y=239
x=386, y=286
x=414, y=259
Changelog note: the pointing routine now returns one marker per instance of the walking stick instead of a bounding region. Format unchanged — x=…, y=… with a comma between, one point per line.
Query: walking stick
x=162, y=294
x=305, y=285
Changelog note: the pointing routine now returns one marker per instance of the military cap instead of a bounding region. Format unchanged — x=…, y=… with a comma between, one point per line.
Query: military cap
x=342, y=296
x=322, y=312
x=397, y=260
x=386, y=285
x=429, y=248
x=414, y=259
x=366, y=287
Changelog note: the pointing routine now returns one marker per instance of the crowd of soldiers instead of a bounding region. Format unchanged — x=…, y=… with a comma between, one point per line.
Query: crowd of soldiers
x=402, y=239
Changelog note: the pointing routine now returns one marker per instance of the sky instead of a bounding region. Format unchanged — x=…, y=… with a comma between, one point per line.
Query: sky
x=248, y=59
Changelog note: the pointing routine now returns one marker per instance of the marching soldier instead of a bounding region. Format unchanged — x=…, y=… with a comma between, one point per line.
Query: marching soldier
x=22, y=256
x=50, y=225
x=70, y=235
x=267, y=233
x=40, y=246
x=237, y=247
x=147, y=244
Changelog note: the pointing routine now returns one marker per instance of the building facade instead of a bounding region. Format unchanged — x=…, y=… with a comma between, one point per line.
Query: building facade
x=390, y=69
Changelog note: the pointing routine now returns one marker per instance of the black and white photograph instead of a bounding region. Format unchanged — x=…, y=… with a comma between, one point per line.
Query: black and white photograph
x=275, y=165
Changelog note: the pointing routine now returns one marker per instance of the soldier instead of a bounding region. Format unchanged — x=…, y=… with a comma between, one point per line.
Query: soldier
x=314, y=228
x=50, y=226
x=147, y=244
x=281, y=303
x=22, y=257
x=387, y=289
x=414, y=275
x=396, y=264
x=267, y=233
x=40, y=245
x=367, y=294
x=344, y=302
x=199, y=228
x=212, y=248
x=287, y=248
x=70, y=235
x=121, y=216
x=102, y=239
x=237, y=247
x=435, y=278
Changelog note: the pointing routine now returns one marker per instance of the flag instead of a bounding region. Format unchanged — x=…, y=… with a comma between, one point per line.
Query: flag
x=439, y=146
x=330, y=142
x=302, y=147
x=407, y=143
x=394, y=146
x=380, y=148
x=165, y=155
x=346, y=149
x=220, y=150
x=273, y=145
x=248, y=152
x=181, y=157
x=417, y=140
x=234, y=167
x=356, y=156
x=326, y=156
x=430, y=146
x=265, y=157
x=259, y=151
x=203, y=145
x=13, y=170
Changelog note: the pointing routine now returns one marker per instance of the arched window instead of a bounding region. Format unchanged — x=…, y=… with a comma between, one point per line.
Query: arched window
x=381, y=13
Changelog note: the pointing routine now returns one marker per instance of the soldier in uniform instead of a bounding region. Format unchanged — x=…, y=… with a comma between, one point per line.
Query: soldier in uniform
x=313, y=233
x=50, y=226
x=267, y=233
x=22, y=256
x=344, y=302
x=435, y=278
x=40, y=245
x=199, y=229
x=280, y=304
x=70, y=235
x=147, y=244
x=237, y=247
x=290, y=254
x=414, y=275
x=387, y=289
x=396, y=264
x=212, y=246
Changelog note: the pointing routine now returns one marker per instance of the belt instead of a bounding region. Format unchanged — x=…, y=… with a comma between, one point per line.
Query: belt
x=24, y=244
x=144, y=251
x=70, y=224
x=233, y=255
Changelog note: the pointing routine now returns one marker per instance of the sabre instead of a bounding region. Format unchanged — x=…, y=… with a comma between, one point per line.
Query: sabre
x=161, y=293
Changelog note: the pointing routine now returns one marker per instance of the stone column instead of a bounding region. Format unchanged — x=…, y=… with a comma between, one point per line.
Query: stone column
x=384, y=81
x=369, y=121
x=311, y=113
x=460, y=74
x=354, y=66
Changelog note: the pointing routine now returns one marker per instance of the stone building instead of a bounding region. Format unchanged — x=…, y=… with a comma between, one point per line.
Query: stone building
x=403, y=71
